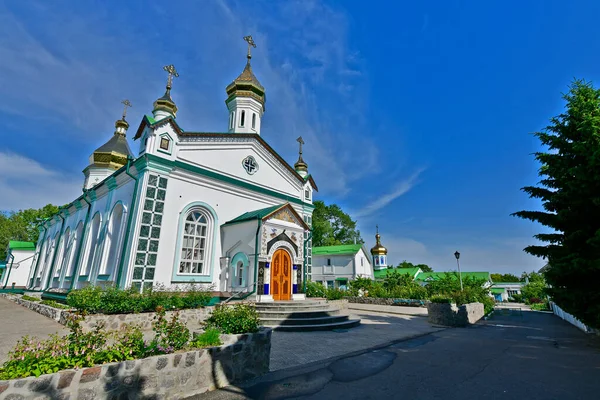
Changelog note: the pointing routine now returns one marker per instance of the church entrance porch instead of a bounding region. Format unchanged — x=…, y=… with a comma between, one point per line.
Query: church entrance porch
x=281, y=275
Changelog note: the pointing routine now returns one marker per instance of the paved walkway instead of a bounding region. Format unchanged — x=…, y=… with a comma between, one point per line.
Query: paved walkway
x=530, y=355
x=17, y=321
x=289, y=349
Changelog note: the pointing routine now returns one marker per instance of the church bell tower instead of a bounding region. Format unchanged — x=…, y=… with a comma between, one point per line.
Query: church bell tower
x=379, y=254
x=246, y=99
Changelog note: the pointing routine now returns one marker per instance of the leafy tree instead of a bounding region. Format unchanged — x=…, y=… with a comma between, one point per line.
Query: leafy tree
x=505, y=278
x=570, y=194
x=533, y=277
x=332, y=226
x=22, y=225
x=406, y=264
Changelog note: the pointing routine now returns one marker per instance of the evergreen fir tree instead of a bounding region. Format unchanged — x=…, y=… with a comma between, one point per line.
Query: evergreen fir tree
x=570, y=194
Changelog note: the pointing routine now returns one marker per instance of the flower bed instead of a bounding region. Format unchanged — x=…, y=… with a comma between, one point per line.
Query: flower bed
x=169, y=376
x=386, y=302
x=56, y=360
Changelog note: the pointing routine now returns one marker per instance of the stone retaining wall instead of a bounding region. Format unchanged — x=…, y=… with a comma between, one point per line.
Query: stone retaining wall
x=192, y=318
x=450, y=315
x=381, y=301
x=47, y=311
x=171, y=376
x=341, y=304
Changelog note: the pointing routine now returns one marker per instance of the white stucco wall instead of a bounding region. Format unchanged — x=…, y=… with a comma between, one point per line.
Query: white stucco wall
x=17, y=272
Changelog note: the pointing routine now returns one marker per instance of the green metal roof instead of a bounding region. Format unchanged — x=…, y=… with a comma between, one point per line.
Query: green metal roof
x=16, y=245
x=342, y=279
x=381, y=274
x=336, y=250
x=256, y=214
x=497, y=290
x=509, y=283
x=428, y=276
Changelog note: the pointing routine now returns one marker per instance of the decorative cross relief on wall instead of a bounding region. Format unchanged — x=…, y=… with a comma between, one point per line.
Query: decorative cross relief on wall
x=250, y=165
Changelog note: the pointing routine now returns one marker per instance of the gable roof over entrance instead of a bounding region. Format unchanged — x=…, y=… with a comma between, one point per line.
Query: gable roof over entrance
x=265, y=214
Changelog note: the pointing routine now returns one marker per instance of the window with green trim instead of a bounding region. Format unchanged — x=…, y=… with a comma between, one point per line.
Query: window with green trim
x=149, y=234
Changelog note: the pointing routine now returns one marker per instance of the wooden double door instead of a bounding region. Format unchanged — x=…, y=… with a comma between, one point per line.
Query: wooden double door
x=281, y=275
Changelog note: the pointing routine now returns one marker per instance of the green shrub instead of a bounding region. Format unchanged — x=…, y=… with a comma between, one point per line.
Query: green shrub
x=335, y=294
x=236, y=319
x=533, y=291
x=440, y=300
x=169, y=335
x=315, y=289
x=543, y=306
x=359, y=284
x=30, y=298
x=55, y=304
x=112, y=300
x=209, y=338
x=517, y=298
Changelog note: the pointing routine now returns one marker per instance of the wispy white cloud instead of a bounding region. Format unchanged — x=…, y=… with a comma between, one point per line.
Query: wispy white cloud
x=381, y=201
x=25, y=183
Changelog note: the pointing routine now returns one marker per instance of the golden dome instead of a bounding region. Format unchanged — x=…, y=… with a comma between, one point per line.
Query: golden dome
x=378, y=249
x=246, y=85
x=166, y=103
x=113, y=154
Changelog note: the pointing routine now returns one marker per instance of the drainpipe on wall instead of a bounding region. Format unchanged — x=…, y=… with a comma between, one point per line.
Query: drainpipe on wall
x=37, y=262
x=81, y=241
x=56, y=249
x=12, y=260
x=305, y=258
x=129, y=220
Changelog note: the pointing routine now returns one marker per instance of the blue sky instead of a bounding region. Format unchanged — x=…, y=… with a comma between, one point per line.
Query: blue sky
x=416, y=117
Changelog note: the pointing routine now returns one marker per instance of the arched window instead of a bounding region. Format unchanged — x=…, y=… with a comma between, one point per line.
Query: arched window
x=253, y=120
x=195, y=243
x=112, y=241
x=61, y=258
x=75, y=243
x=243, y=118
x=92, y=244
x=231, y=120
x=239, y=273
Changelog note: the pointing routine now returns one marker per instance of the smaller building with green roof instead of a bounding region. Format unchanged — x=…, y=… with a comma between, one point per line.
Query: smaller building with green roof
x=412, y=271
x=335, y=266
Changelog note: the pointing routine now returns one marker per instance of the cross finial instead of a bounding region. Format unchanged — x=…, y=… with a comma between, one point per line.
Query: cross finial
x=377, y=228
x=250, y=44
x=301, y=142
x=126, y=103
x=172, y=73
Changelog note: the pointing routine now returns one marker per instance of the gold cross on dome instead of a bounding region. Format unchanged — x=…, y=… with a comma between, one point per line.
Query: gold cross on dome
x=301, y=142
x=126, y=103
x=250, y=44
x=377, y=228
x=172, y=73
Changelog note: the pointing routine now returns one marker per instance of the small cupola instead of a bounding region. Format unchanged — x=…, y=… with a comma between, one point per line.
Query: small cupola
x=301, y=166
x=165, y=106
x=379, y=253
x=245, y=99
x=112, y=155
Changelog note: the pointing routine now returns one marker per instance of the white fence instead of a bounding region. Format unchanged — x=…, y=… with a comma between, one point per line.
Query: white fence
x=569, y=318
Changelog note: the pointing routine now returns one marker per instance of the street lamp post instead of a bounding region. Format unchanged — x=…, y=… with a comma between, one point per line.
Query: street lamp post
x=457, y=255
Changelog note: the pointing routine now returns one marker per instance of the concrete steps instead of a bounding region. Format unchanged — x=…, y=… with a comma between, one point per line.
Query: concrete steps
x=308, y=315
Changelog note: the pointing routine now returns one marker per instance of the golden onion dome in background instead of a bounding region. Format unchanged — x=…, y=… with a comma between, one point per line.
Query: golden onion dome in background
x=378, y=249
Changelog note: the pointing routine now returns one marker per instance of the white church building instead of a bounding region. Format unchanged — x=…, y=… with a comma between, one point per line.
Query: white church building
x=220, y=209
